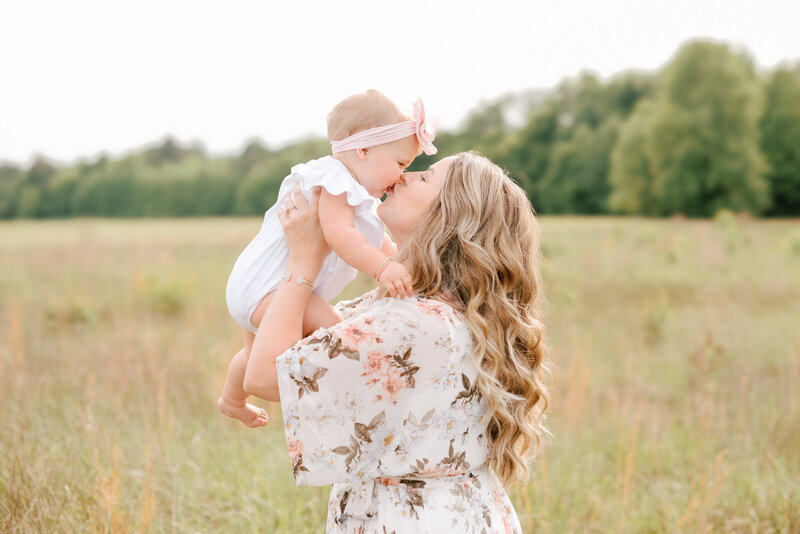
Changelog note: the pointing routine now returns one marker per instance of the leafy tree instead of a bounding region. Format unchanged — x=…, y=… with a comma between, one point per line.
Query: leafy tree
x=780, y=140
x=561, y=155
x=169, y=151
x=577, y=177
x=57, y=196
x=28, y=204
x=625, y=91
x=107, y=194
x=214, y=191
x=39, y=173
x=29, y=191
x=253, y=154
x=701, y=139
x=11, y=179
x=528, y=154
x=259, y=189
x=630, y=174
x=484, y=129
x=688, y=139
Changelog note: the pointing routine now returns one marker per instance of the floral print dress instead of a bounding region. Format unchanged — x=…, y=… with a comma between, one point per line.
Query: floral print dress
x=384, y=406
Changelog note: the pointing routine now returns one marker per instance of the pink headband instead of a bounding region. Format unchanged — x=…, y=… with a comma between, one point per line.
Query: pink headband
x=391, y=132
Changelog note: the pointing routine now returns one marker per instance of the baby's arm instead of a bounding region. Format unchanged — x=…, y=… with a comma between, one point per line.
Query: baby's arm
x=388, y=247
x=337, y=219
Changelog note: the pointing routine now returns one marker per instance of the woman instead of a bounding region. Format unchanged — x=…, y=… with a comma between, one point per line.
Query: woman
x=417, y=410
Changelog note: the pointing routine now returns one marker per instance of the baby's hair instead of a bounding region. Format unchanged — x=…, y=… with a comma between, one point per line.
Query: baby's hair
x=361, y=112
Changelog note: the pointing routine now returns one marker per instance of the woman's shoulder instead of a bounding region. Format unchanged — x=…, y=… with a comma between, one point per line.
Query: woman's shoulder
x=349, y=307
x=410, y=311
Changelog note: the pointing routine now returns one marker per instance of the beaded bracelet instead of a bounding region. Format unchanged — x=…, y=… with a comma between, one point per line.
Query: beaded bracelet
x=379, y=272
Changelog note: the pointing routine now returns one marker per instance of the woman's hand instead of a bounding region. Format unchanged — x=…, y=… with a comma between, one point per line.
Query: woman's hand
x=304, y=237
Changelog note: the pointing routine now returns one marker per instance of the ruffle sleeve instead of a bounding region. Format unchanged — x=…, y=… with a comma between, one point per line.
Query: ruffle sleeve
x=333, y=176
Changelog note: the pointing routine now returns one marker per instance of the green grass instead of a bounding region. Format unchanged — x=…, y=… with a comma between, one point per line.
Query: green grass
x=675, y=402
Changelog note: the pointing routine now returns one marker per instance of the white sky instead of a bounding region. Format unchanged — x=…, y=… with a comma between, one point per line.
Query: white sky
x=80, y=77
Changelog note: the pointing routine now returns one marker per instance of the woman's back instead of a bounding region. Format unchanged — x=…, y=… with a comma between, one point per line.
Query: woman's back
x=385, y=406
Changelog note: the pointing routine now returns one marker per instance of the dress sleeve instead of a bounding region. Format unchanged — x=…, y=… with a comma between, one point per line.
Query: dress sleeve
x=341, y=389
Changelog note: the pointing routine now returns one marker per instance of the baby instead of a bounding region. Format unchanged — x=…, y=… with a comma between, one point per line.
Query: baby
x=372, y=143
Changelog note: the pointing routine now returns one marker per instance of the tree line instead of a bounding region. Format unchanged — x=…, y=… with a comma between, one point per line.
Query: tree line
x=708, y=132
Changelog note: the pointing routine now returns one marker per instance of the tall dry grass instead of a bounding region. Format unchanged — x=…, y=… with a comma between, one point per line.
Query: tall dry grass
x=675, y=404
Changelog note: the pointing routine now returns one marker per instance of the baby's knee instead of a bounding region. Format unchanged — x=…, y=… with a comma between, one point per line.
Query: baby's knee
x=319, y=314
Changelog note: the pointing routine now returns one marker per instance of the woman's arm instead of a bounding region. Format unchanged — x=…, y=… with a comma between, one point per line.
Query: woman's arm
x=282, y=324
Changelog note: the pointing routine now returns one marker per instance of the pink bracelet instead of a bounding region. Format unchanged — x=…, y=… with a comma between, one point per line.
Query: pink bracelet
x=379, y=272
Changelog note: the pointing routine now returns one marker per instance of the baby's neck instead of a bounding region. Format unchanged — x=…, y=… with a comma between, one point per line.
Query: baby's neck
x=342, y=157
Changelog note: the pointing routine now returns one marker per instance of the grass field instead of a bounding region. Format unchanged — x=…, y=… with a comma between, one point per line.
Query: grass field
x=676, y=398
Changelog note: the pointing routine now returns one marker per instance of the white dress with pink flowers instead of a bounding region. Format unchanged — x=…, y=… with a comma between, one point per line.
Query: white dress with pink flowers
x=385, y=407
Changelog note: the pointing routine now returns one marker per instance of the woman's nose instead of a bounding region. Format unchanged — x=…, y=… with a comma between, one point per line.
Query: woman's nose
x=409, y=177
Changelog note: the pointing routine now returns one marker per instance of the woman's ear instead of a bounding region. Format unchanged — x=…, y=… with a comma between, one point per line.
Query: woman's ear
x=361, y=153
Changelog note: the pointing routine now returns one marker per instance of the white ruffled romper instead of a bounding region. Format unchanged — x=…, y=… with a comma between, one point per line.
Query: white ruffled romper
x=260, y=266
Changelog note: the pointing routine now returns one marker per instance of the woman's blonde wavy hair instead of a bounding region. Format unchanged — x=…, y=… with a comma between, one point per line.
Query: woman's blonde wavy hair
x=479, y=245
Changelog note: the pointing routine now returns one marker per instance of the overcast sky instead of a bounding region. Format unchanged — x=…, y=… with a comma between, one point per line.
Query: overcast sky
x=81, y=77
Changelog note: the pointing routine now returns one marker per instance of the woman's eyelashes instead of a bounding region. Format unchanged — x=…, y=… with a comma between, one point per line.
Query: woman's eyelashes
x=406, y=177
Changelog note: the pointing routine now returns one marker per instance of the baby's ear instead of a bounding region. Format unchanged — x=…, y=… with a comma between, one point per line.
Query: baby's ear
x=361, y=153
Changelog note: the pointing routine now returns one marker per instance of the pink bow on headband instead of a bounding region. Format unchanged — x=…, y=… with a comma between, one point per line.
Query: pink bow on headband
x=424, y=136
x=381, y=135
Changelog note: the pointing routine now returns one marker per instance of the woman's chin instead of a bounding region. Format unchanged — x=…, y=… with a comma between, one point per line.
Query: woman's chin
x=385, y=215
x=382, y=210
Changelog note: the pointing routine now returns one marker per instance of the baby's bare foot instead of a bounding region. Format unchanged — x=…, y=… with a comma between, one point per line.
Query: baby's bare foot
x=250, y=415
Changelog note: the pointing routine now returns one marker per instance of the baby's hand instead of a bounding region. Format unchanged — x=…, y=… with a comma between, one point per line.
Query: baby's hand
x=396, y=279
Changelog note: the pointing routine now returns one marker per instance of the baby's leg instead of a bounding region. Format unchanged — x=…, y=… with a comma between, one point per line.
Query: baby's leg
x=249, y=338
x=318, y=313
x=233, y=401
